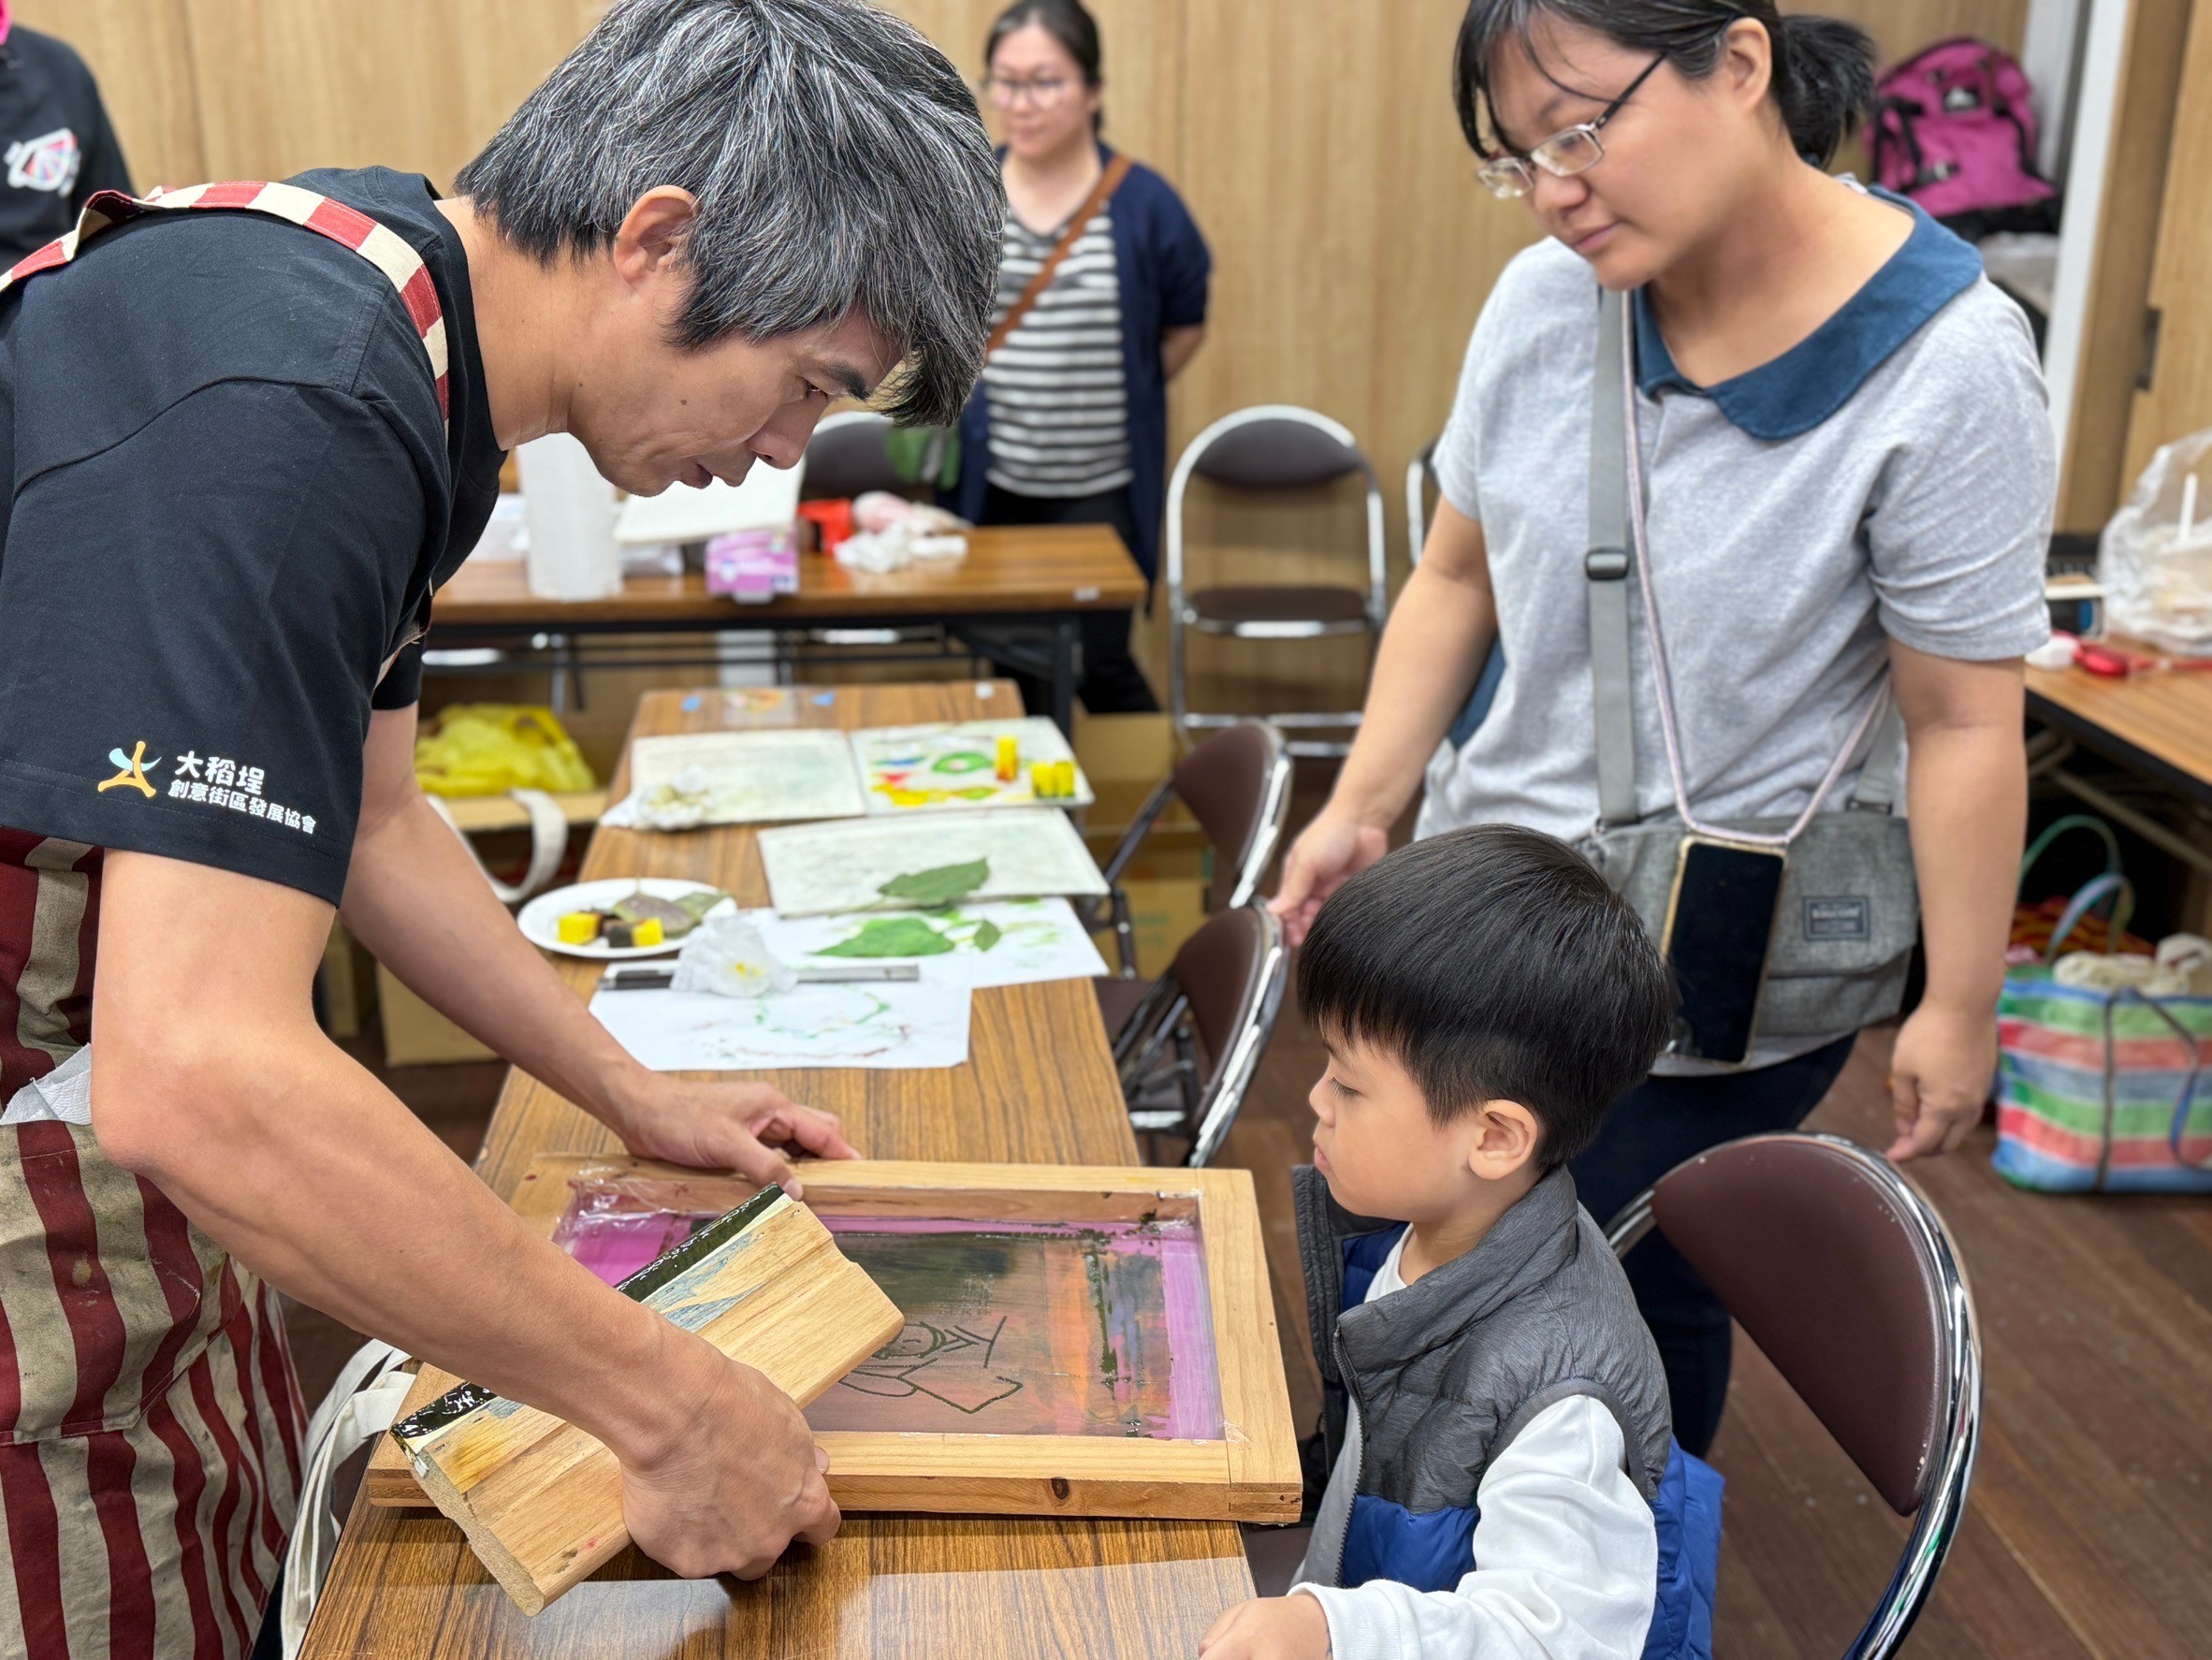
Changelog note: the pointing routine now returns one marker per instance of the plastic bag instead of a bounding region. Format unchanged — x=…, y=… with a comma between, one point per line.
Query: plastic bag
x=487, y=748
x=2155, y=561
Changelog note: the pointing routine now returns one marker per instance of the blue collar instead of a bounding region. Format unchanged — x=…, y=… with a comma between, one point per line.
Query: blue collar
x=1818, y=375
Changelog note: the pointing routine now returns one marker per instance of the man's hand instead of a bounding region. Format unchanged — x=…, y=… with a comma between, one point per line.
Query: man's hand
x=1938, y=1078
x=746, y=1481
x=1332, y=850
x=715, y=1126
x=1270, y=1628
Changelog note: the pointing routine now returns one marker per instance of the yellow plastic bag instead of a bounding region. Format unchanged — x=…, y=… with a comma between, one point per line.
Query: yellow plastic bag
x=487, y=748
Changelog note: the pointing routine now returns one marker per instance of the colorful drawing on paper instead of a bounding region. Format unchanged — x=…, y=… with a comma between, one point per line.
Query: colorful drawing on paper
x=1012, y=1328
x=743, y=777
x=1030, y=854
x=1007, y=943
x=923, y=1024
x=966, y=763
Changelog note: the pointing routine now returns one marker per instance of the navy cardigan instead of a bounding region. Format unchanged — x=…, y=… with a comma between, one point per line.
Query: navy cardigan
x=1163, y=267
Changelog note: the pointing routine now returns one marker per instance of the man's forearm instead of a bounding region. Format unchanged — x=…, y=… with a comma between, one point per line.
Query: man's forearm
x=419, y=904
x=1968, y=795
x=1431, y=652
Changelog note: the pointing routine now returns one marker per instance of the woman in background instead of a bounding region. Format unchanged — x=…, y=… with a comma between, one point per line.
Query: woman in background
x=1070, y=424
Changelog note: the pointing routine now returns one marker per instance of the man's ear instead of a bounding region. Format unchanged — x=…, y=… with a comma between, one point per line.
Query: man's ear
x=650, y=240
x=1503, y=1139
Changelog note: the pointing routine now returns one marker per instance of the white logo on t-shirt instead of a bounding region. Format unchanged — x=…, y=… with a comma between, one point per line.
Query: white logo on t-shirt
x=49, y=162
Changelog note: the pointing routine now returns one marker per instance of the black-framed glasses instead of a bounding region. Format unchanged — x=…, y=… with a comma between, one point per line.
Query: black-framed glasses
x=1576, y=150
x=1043, y=92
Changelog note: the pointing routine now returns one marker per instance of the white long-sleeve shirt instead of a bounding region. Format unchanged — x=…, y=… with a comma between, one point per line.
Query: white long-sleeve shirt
x=1565, y=1557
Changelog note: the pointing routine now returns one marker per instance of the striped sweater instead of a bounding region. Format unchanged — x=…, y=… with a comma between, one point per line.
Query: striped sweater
x=1059, y=408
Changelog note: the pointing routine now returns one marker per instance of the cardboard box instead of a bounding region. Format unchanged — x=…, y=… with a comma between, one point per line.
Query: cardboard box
x=416, y=1034
x=1125, y=757
x=1163, y=914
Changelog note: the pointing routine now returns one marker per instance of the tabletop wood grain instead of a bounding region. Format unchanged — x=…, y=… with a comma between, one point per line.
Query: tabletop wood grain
x=1038, y=1086
x=2164, y=718
x=1009, y=570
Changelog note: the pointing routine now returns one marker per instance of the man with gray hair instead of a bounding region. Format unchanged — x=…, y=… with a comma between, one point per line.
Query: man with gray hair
x=250, y=442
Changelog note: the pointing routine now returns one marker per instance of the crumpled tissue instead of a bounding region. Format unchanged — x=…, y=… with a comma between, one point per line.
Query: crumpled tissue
x=727, y=955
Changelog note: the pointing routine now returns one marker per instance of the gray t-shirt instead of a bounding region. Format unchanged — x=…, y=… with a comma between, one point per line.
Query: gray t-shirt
x=1919, y=510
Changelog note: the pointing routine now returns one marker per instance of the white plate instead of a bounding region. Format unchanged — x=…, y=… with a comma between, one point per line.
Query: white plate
x=540, y=920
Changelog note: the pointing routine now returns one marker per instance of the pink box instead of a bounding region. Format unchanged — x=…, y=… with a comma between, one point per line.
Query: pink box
x=753, y=566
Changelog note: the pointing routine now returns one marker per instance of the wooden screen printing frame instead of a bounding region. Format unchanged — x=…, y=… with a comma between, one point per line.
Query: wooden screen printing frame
x=1250, y=1475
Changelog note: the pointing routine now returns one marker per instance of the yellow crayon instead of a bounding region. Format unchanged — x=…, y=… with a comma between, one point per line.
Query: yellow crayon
x=1064, y=779
x=1040, y=779
x=1010, y=759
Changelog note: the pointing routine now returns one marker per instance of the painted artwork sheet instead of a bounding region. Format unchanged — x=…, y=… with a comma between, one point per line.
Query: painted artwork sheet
x=1006, y=942
x=956, y=765
x=1012, y=1328
x=743, y=777
x=922, y=1023
x=926, y=861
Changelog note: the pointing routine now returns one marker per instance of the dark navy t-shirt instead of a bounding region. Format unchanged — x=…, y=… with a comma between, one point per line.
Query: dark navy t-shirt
x=232, y=493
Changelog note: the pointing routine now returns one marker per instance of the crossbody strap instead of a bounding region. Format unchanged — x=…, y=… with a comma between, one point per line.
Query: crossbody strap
x=1607, y=566
x=1109, y=182
x=1618, y=549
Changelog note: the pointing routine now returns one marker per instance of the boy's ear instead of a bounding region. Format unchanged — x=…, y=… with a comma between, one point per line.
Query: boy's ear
x=1505, y=1140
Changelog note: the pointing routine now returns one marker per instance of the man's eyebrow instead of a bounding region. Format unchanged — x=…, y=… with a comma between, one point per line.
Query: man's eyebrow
x=849, y=380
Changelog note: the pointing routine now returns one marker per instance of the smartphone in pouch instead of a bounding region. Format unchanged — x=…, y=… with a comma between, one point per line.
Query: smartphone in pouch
x=1720, y=926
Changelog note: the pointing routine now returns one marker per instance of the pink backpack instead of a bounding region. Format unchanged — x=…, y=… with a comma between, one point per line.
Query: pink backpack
x=1954, y=131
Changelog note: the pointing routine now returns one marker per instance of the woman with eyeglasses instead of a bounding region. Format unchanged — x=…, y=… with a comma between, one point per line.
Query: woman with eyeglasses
x=1104, y=282
x=1832, y=482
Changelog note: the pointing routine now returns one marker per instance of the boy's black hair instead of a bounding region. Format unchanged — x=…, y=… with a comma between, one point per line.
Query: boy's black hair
x=1494, y=962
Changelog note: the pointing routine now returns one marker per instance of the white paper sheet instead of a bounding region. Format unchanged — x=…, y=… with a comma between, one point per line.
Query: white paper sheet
x=923, y=1024
x=953, y=764
x=1024, y=940
x=749, y=777
x=767, y=500
x=1033, y=853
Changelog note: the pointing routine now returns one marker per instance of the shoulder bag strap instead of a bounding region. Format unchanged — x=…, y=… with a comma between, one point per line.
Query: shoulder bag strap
x=1607, y=566
x=1109, y=182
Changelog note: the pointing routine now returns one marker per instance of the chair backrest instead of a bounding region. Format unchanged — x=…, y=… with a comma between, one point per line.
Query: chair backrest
x=1847, y=1280
x=1237, y=785
x=1275, y=446
x=1231, y=973
x=1421, y=478
x=846, y=457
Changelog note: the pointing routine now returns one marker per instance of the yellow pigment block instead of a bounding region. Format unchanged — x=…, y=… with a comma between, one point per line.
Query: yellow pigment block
x=1040, y=779
x=1010, y=760
x=648, y=932
x=1064, y=779
x=579, y=927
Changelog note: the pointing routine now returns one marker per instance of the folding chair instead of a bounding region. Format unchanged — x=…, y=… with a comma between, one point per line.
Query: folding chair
x=846, y=458
x=1191, y=1040
x=1273, y=446
x=1848, y=1281
x=1237, y=785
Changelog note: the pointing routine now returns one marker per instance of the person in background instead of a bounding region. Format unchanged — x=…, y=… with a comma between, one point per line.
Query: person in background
x=1070, y=425
x=1850, y=474
x=55, y=138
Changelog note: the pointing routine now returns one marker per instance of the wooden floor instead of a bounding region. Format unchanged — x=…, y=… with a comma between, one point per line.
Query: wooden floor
x=2090, y=1527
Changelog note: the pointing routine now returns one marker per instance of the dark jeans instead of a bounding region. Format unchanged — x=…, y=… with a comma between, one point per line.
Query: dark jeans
x=1647, y=1132
x=1112, y=683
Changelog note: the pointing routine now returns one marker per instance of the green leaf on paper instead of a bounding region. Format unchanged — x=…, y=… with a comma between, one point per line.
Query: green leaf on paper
x=986, y=934
x=699, y=902
x=941, y=886
x=891, y=937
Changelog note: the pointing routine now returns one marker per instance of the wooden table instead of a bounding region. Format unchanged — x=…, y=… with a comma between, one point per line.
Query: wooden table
x=1032, y=577
x=1038, y=1086
x=2158, y=724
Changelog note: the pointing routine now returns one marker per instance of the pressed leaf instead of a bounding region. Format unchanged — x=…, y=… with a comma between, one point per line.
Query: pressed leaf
x=987, y=934
x=700, y=902
x=939, y=886
x=891, y=937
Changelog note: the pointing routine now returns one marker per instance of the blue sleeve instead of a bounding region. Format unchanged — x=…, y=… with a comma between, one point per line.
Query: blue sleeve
x=1184, y=265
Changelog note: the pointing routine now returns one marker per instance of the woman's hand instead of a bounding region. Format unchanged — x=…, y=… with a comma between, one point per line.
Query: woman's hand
x=1938, y=1078
x=715, y=1126
x=1332, y=850
x=1270, y=1628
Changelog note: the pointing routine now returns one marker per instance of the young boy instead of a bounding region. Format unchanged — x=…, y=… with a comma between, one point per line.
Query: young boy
x=1504, y=1481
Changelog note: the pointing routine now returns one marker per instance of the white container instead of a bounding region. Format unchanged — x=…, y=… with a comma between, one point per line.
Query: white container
x=570, y=513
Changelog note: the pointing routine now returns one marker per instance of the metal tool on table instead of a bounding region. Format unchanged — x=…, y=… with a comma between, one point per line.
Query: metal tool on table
x=656, y=977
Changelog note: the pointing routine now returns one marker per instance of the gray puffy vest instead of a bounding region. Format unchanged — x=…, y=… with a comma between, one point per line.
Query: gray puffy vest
x=1449, y=1370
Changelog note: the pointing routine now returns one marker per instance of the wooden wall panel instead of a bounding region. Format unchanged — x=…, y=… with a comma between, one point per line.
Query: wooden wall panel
x=2178, y=399
x=140, y=51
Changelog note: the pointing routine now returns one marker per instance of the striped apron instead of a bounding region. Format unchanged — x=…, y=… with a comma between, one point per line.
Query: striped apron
x=150, y=1420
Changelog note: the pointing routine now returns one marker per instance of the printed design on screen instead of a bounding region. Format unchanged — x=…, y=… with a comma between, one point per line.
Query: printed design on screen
x=1012, y=1328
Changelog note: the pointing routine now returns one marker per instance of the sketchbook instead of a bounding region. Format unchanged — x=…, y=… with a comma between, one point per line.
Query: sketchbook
x=928, y=860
